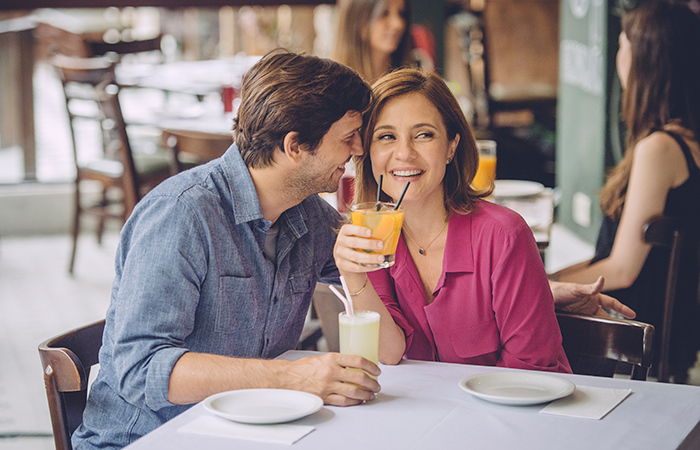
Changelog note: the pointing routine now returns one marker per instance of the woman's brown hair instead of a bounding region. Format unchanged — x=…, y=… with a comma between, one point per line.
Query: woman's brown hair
x=459, y=195
x=663, y=85
x=352, y=40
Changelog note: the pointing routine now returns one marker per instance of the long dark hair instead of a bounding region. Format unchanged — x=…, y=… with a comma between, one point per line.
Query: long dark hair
x=663, y=86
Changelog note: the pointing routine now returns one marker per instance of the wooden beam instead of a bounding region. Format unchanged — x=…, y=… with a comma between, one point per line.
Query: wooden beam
x=8, y=5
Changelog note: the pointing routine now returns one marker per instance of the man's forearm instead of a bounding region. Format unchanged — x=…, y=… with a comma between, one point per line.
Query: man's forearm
x=196, y=376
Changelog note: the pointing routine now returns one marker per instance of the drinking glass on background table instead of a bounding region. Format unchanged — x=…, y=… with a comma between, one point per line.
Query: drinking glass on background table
x=359, y=335
x=385, y=222
x=486, y=173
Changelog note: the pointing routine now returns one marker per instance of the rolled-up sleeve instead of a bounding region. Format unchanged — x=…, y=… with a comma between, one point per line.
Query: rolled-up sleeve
x=160, y=267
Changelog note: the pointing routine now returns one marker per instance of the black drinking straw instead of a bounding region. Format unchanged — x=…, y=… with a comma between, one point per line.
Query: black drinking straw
x=377, y=206
x=398, y=203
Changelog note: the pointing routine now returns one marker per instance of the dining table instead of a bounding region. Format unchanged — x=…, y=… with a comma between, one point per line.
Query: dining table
x=198, y=78
x=422, y=406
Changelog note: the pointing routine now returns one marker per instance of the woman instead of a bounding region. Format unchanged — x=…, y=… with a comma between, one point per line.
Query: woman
x=468, y=285
x=658, y=64
x=373, y=36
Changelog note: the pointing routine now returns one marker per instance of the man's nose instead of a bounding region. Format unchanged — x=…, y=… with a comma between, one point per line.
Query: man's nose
x=356, y=147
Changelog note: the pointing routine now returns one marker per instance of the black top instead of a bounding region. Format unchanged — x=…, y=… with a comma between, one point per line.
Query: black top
x=646, y=295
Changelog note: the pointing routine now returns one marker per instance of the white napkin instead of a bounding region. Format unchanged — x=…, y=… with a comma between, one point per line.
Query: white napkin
x=587, y=402
x=216, y=426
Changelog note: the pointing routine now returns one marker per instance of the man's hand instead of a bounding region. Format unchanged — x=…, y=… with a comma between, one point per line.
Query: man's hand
x=329, y=377
x=586, y=299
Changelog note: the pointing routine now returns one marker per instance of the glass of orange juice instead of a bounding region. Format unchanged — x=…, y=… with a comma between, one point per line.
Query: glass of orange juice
x=486, y=173
x=385, y=223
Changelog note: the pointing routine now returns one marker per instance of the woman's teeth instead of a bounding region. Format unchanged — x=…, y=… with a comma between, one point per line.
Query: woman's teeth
x=406, y=173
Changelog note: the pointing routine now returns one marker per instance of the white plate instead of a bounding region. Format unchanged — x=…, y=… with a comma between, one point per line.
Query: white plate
x=517, y=188
x=517, y=388
x=263, y=405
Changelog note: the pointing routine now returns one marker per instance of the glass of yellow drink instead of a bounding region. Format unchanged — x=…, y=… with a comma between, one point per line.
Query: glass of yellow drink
x=486, y=173
x=359, y=335
x=385, y=223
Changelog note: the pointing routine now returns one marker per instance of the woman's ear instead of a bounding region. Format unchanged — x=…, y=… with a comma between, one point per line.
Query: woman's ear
x=452, y=147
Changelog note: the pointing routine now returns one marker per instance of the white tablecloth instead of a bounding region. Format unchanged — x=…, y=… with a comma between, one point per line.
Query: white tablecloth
x=422, y=407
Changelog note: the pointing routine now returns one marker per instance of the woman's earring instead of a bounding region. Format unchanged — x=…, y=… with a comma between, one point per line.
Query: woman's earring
x=449, y=160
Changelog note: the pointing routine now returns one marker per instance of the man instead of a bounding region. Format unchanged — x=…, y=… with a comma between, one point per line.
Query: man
x=216, y=267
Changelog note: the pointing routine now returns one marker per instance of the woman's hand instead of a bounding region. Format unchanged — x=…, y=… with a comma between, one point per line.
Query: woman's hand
x=348, y=251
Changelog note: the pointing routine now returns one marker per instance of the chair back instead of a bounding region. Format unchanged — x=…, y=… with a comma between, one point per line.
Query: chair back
x=199, y=146
x=66, y=360
x=327, y=307
x=118, y=144
x=80, y=77
x=100, y=47
x=594, y=344
x=678, y=235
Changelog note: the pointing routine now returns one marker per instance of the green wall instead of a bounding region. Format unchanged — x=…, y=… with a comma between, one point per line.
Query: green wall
x=584, y=78
x=589, y=129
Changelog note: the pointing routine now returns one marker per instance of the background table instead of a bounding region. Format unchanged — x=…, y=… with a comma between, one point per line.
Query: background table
x=538, y=212
x=422, y=407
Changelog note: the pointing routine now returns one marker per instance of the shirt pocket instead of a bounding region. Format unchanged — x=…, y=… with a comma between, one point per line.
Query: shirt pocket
x=470, y=341
x=302, y=281
x=237, y=308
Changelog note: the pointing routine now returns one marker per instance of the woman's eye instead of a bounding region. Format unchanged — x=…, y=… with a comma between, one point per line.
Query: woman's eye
x=384, y=137
x=425, y=135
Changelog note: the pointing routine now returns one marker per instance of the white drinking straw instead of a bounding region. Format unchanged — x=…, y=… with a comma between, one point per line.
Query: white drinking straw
x=347, y=295
x=348, y=305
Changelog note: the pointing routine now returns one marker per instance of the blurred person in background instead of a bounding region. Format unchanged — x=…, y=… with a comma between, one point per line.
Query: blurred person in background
x=658, y=64
x=373, y=36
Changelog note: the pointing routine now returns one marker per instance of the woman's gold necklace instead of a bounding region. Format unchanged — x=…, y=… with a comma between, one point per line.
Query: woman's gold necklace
x=422, y=250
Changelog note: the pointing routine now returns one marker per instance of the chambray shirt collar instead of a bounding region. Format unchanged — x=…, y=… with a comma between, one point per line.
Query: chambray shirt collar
x=245, y=201
x=244, y=198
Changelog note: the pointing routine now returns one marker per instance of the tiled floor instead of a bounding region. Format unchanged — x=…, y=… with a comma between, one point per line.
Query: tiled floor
x=39, y=300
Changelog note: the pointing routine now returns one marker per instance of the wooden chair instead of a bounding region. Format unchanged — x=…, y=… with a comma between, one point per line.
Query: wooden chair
x=100, y=47
x=594, y=345
x=327, y=307
x=118, y=169
x=194, y=146
x=679, y=236
x=66, y=360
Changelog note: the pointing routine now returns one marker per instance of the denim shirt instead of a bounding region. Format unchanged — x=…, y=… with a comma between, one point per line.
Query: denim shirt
x=191, y=276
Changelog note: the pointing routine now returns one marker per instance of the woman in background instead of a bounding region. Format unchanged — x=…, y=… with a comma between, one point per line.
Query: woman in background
x=373, y=36
x=468, y=285
x=658, y=64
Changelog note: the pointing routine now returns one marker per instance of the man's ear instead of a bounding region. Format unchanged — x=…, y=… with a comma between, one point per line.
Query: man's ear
x=293, y=150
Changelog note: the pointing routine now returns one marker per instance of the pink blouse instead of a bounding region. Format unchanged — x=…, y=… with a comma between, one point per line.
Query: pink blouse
x=492, y=304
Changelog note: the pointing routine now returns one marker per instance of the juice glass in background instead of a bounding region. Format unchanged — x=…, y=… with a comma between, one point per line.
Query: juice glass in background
x=486, y=173
x=359, y=335
x=385, y=224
